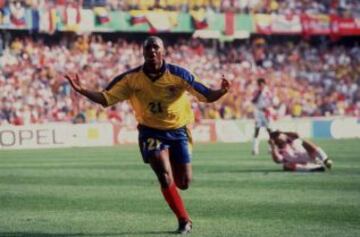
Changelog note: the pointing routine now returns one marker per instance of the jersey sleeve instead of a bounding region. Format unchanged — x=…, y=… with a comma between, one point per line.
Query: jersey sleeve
x=191, y=82
x=197, y=89
x=118, y=90
x=277, y=156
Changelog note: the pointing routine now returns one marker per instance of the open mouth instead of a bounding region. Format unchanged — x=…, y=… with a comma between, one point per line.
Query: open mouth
x=152, y=58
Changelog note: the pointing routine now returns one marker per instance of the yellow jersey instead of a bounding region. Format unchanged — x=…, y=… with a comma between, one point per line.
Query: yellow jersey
x=160, y=103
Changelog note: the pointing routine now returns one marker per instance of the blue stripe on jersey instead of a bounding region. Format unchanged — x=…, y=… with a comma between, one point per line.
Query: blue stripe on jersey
x=121, y=76
x=189, y=78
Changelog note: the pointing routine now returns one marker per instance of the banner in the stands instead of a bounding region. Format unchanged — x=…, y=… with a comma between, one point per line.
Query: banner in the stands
x=316, y=24
x=345, y=26
x=207, y=24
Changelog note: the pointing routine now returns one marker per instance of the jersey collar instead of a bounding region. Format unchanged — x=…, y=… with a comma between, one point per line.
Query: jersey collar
x=156, y=77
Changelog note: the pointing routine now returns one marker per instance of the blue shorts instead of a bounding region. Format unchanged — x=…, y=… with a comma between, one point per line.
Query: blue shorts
x=177, y=141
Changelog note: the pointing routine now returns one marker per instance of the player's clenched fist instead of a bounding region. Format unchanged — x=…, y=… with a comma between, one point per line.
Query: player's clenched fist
x=225, y=85
x=74, y=82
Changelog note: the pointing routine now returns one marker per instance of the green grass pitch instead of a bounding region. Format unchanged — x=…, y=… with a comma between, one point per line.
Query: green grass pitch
x=100, y=192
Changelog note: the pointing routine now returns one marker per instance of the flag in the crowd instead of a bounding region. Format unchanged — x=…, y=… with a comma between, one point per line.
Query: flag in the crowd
x=49, y=19
x=199, y=19
x=316, y=24
x=229, y=23
x=138, y=17
x=263, y=23
x=87, y=23
x=71, y=18
x=17, y=15
x=161, y=21
x=286, y=24
x=5, y=17
x=101, y=15
x=35, y=20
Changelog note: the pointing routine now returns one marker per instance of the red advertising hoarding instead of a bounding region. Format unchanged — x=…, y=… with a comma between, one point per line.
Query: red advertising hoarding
x=316, y=24
x=345, y=26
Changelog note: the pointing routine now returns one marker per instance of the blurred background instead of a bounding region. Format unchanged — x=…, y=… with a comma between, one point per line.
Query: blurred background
x=308, y=52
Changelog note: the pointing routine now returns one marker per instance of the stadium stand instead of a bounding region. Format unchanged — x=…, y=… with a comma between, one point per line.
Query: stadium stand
x=307, y=80
x=309, y=75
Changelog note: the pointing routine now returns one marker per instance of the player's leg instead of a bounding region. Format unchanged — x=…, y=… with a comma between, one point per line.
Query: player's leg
x=180, y=159
x=260, y=121
x=162, y=168
x=269, y=130
x=182, y=174
x=305, y=167
x=160, y=164
x=317, y=152
x=155, y=152
x=255, y=147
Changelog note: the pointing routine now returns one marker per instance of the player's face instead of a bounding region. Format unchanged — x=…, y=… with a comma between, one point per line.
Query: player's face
x=281, y=140
x=153, y=52
x=261, y=85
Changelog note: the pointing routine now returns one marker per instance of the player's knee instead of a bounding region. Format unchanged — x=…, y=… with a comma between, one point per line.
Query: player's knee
x=165, y=179
x=183, y=184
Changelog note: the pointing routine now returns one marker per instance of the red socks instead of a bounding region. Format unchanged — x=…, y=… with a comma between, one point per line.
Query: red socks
x=175, y=202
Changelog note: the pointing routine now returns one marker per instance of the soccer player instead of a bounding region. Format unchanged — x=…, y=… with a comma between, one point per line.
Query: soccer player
x=297, y=154
x=262, y=101
x=157, y=93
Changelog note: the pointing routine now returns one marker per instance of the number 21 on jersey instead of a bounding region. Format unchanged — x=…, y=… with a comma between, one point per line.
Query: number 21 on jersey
x=155, y=107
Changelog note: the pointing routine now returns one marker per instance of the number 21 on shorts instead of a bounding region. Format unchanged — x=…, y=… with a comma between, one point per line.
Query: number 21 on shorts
x=151, y=144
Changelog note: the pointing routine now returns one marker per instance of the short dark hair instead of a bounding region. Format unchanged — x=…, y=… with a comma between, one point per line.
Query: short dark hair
x=274, y=134
x=153, y=39
x=261, y=80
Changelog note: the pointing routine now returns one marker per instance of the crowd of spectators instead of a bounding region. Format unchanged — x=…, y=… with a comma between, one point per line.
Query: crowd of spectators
x=307, y=80
x=340, y=7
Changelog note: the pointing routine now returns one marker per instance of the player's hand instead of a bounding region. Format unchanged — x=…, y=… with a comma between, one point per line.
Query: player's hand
x=74, y=82
x=225, y=85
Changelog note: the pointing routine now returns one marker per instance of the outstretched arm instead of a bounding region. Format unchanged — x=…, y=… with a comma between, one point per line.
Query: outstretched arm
x=275, y=154
x=214, y=95
x=94, y=96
